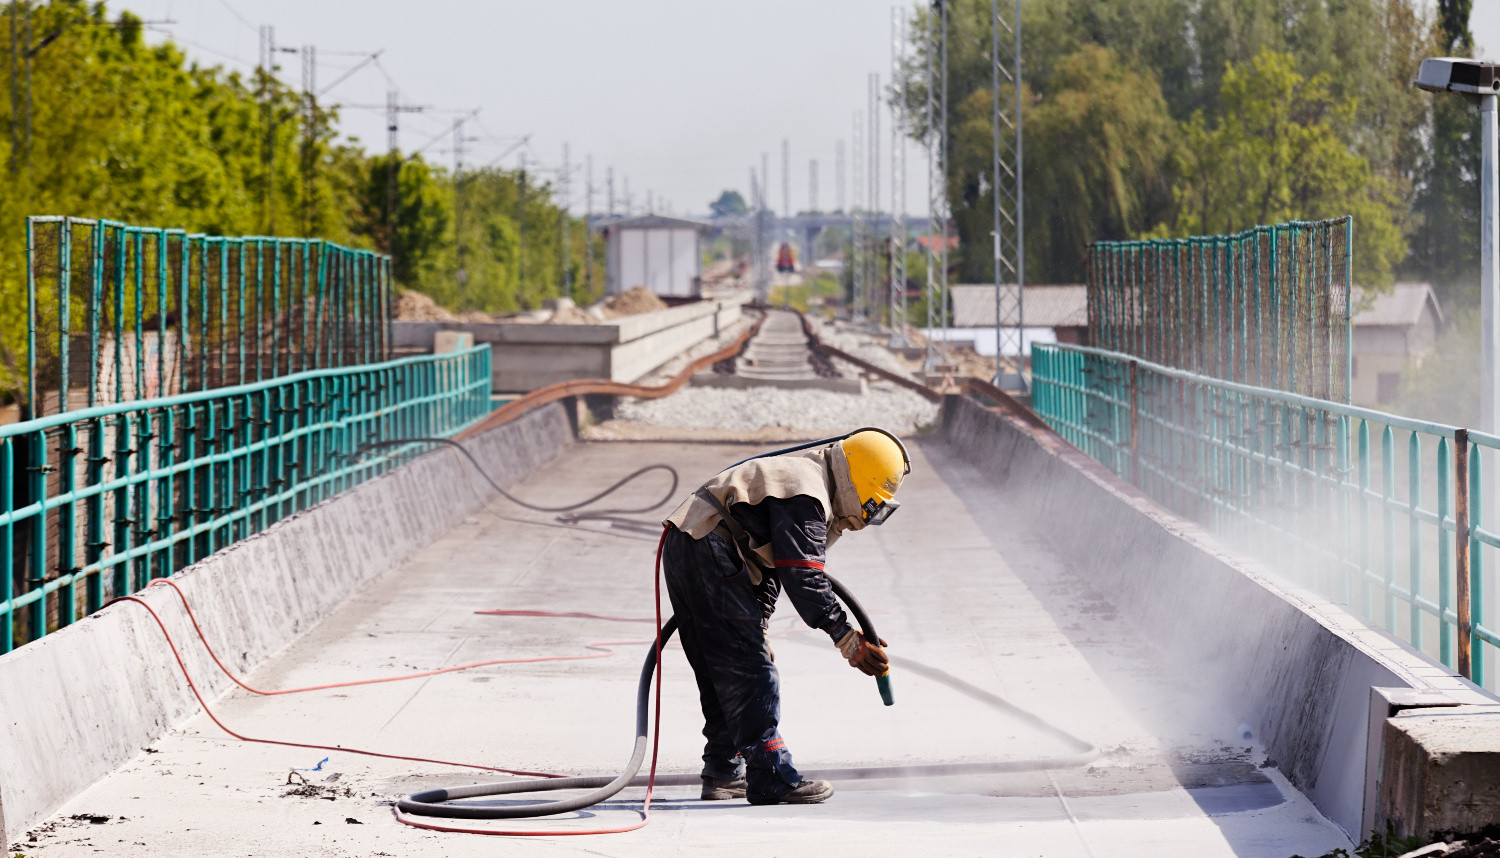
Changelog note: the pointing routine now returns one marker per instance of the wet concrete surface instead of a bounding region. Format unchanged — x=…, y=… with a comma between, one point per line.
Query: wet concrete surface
x=949, y=582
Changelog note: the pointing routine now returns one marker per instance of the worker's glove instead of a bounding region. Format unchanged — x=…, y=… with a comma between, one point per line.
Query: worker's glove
x=868, y=658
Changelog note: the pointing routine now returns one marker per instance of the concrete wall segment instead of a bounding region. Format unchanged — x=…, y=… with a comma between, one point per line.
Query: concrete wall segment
x=1439, y=769
x=83, y=700
x=1297, y=666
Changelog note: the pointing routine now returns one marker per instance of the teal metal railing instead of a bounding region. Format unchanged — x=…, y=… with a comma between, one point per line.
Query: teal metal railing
x=1379, y=512
x=95, y=503
x=1269, y=306
x=118, y=312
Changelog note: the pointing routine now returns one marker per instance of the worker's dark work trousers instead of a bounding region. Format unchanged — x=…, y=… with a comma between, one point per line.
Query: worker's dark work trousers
x=723, y=632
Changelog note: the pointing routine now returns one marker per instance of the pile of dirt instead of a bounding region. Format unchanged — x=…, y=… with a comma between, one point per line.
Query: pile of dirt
x=972, y=363
x=636, y=301
x=416, y=307
x=569, y=314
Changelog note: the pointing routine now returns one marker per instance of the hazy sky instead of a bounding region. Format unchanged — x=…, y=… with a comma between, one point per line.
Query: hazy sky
x=680, y=97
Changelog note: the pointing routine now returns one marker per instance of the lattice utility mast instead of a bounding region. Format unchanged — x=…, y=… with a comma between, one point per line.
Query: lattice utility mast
x=838, y=176
x=565, y=199
x=786, y=178
x=872, y=253
x=857, y=223
x=812, y=184
x=1009, y=191
x=588, y=223
x=897, y=242
x=937, y=185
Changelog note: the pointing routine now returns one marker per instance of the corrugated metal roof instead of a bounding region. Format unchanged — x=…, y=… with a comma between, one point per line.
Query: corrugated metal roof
x=654, y=221
x=1045, y=306
x=1067, y=306
x=1401, y=307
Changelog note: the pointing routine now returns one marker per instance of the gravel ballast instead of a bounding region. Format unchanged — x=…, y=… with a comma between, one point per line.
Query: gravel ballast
x=811, y=411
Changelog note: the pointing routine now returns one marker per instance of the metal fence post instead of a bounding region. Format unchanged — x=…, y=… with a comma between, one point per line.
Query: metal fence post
x=1135, y=427
x=1461, y=550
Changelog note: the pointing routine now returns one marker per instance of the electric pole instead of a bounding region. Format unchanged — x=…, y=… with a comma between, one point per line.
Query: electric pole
x=268, y=126
x=564, y=191
x=856, y=227
x=812, y=185
x=786, y=178
x=20, y=85
x=393, y=110
x=898, y=188
x=309, y=134
x=588, y=223
x=521, y=223
x=460, y=255
x=937, y=186
x=1010, y=250
x=609, y=182
x=872, y=254
x=838, y=176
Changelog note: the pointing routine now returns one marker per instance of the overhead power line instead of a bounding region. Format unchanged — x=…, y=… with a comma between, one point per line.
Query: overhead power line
x=241, y=18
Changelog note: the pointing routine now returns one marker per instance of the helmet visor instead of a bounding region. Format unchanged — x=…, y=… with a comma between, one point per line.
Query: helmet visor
x=876, y=512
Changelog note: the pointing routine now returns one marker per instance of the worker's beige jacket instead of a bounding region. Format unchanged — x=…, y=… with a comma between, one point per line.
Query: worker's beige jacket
x=821, y=473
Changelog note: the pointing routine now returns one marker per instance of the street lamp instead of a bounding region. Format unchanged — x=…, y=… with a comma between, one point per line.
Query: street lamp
x=1479, y=82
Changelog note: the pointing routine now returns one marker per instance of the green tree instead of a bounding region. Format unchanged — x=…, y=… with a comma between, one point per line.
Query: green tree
x=420, y=218
x=1367, y=50
x=1109, y=144
x=1275, y=154
x=729, y=203
x=1445, y=242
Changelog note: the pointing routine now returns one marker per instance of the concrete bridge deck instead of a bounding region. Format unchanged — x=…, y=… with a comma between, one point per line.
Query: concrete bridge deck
x=952, y=581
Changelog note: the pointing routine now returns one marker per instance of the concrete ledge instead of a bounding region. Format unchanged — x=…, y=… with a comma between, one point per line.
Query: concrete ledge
x=1298, y=667
x=83, y=700
x=525, y=357
x=1441, y=771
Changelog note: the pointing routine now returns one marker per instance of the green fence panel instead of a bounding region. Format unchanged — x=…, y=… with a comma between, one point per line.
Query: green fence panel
x=1269, y=306
x=97, y=502
x=1380, y=512
x=120, y=312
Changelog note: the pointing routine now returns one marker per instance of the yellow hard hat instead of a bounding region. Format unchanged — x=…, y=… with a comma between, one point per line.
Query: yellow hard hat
x=877, y=463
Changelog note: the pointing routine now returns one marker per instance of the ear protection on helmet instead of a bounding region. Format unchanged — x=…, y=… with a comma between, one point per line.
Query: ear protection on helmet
x=875, y=511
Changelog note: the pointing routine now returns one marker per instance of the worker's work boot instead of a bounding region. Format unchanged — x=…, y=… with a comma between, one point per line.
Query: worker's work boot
x=719, y=790
x=807, y=792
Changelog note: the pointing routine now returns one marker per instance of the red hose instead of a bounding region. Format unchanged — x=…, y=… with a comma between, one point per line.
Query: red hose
x=243, y=738
x=400, y=817
x=597, y=645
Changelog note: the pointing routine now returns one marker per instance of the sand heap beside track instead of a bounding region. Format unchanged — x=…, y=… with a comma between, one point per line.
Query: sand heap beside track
x=414, y=306
x=633, y=302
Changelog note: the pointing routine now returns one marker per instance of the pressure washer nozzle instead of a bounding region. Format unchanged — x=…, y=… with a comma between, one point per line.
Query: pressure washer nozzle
x=883, y=682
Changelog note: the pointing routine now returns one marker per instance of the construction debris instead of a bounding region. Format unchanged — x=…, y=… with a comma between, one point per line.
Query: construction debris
x=633, y=302
x=414, y=306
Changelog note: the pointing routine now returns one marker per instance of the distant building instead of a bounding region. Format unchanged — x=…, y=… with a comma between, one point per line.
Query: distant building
x=1393, y=333
x=661, y=253
x=1064, y=309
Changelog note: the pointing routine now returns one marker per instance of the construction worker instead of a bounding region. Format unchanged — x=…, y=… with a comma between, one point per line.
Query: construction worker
x=756, y=530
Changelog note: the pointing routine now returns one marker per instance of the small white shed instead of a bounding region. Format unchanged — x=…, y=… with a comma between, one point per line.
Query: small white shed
x=660, y=253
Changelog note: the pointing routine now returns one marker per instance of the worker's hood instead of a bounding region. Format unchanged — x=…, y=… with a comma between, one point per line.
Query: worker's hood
x=821, y=473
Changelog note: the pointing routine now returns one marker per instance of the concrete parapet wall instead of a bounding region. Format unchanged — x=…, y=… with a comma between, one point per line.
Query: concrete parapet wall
x=524, y=357
x=1299, y=668
x=85, y=699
